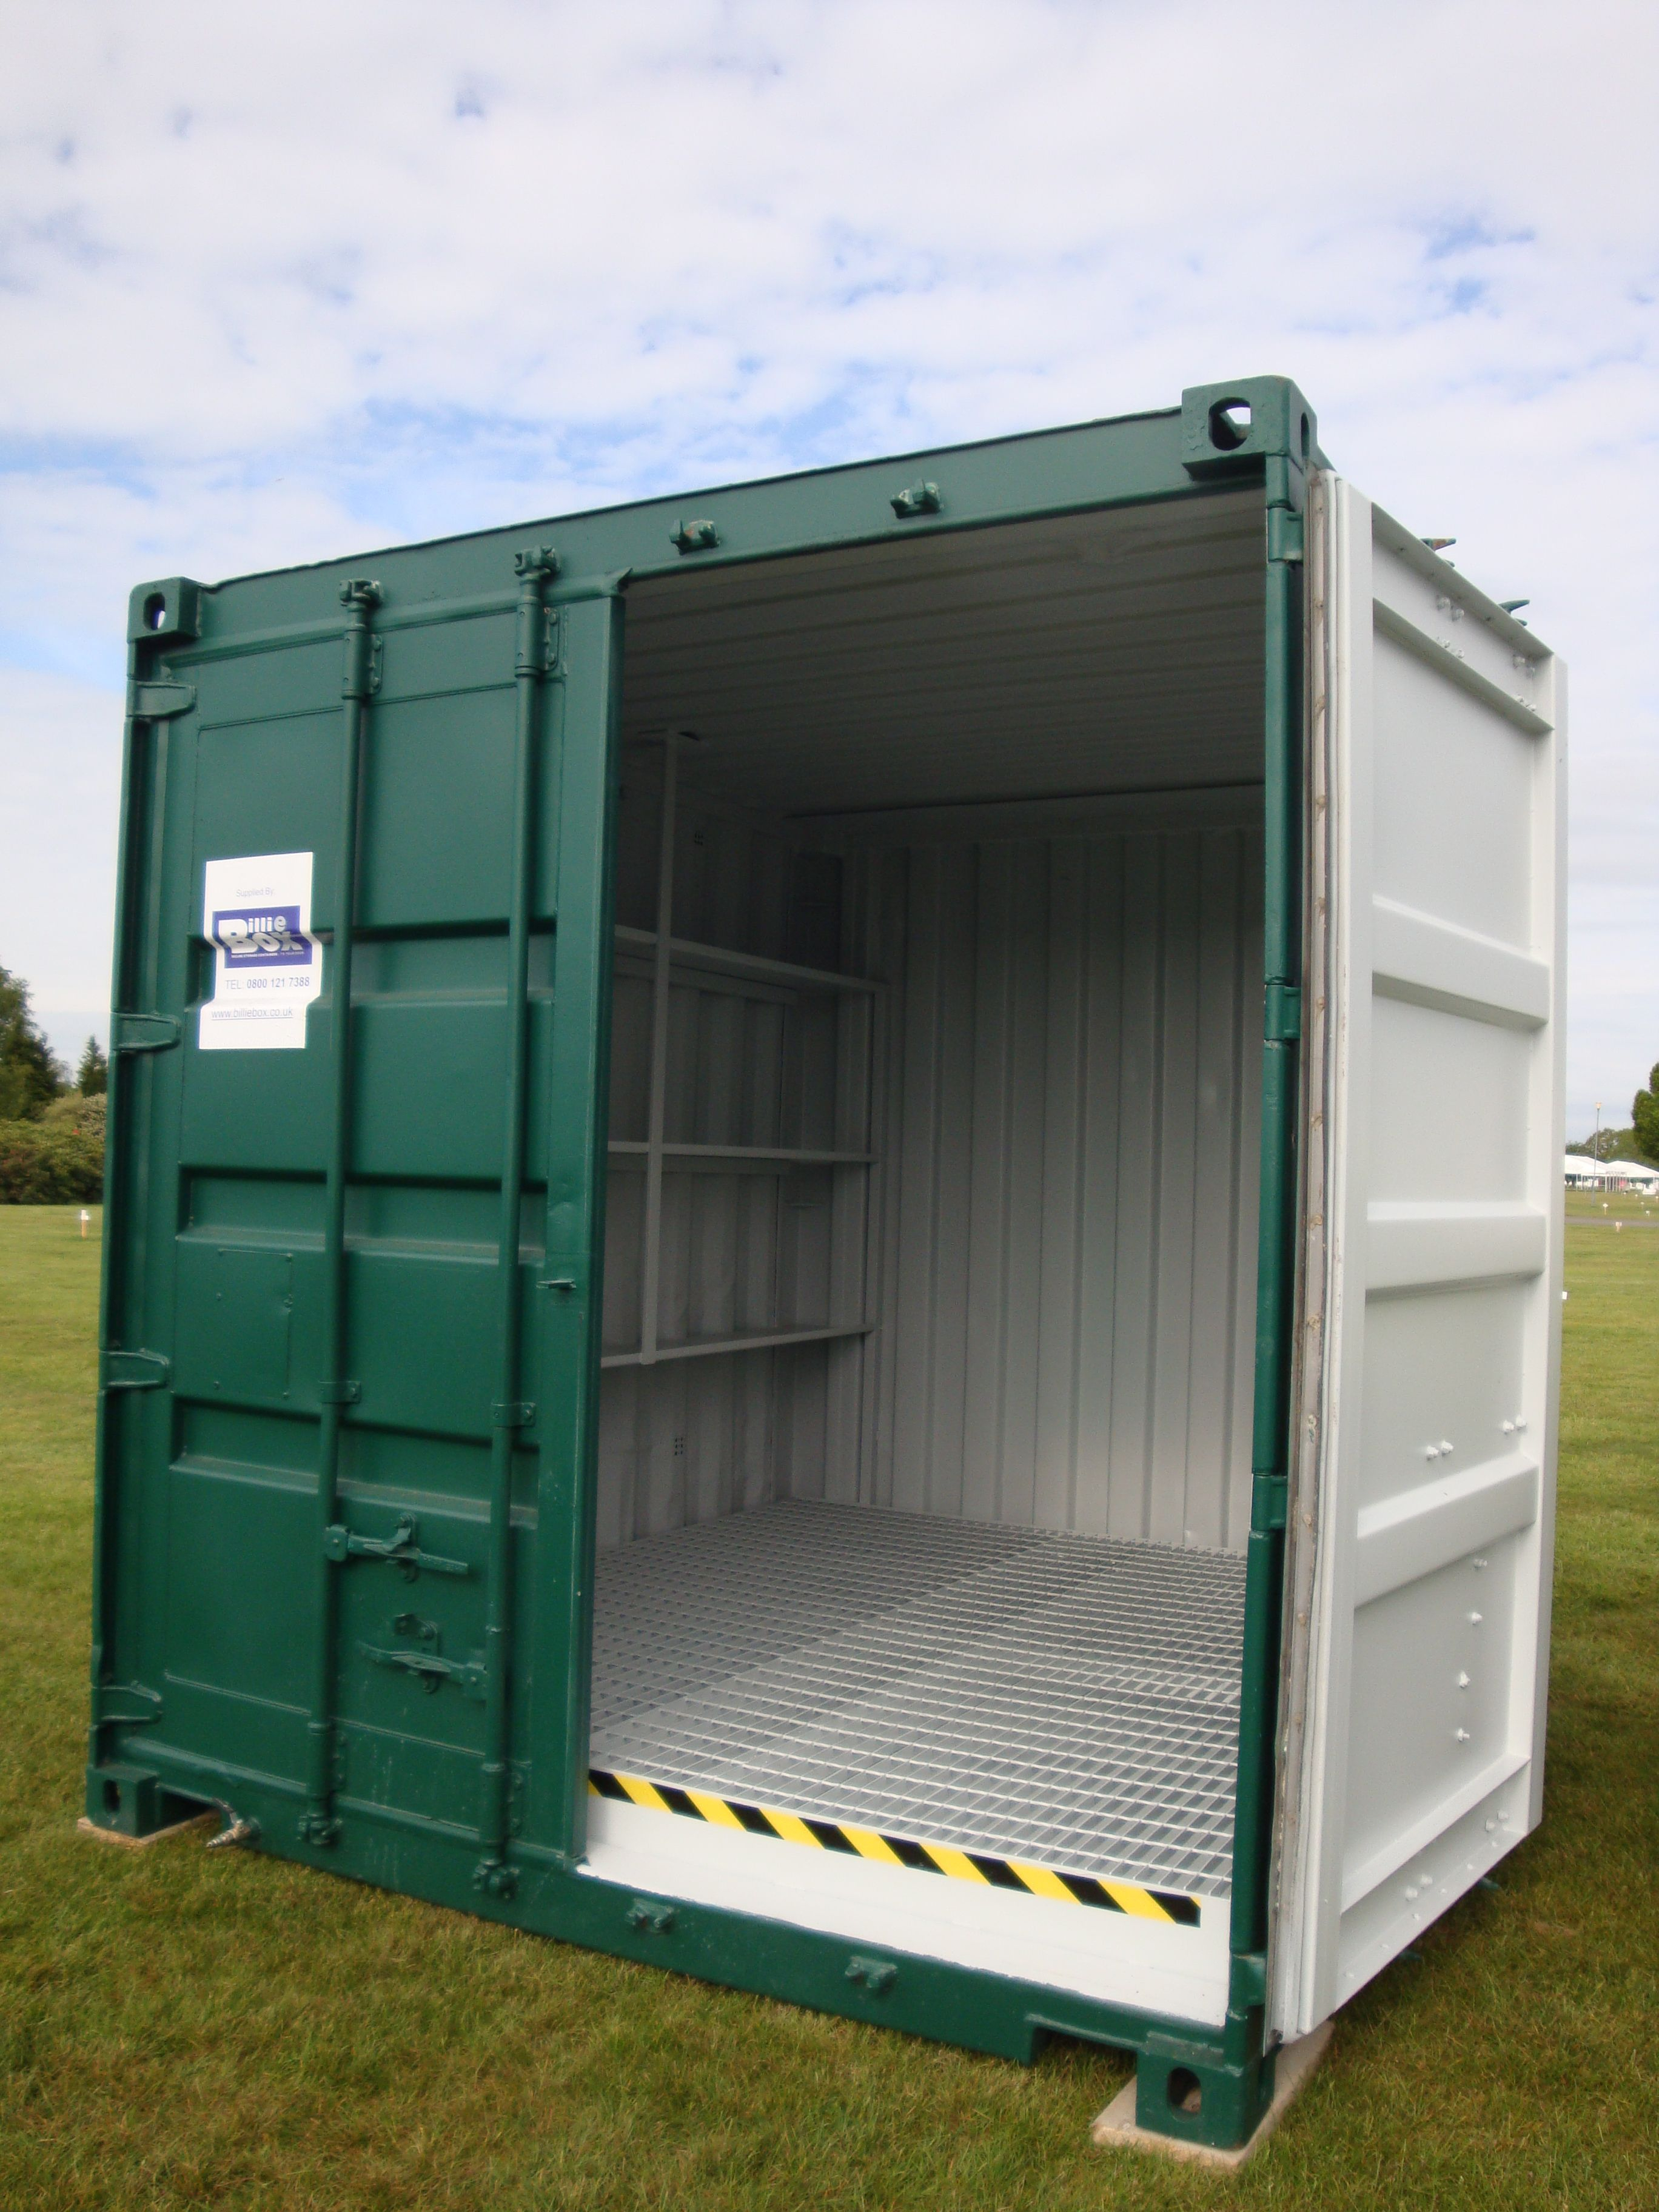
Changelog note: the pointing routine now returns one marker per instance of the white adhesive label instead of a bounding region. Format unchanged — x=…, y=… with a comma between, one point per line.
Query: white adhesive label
x=268, y=967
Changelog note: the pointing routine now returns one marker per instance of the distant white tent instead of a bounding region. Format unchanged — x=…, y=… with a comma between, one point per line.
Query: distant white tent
x=1585, y=1174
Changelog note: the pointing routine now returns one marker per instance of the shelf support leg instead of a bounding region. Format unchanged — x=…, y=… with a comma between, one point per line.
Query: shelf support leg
x=651, y=1267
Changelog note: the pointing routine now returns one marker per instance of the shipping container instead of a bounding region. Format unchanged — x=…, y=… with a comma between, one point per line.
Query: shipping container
x=833, y=1252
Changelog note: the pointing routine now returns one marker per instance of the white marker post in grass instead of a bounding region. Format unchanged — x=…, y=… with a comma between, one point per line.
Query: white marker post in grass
x=85, y=1219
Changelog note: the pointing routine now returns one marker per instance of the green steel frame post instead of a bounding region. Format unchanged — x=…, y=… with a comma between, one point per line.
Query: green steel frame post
x=317, y=1823
x=160, y=616
x=118, y=1139
x=588, y=696
x=509, y=1415
x=1265, y=424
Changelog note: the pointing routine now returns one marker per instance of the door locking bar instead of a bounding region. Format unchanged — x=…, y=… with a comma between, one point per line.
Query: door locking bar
x=401, y=1549
x=430, y=1670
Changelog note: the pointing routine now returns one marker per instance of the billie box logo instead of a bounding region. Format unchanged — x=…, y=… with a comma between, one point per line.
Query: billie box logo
x=267, y=937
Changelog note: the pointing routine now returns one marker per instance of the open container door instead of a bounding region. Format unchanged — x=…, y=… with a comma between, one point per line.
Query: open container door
x=1421, y=1512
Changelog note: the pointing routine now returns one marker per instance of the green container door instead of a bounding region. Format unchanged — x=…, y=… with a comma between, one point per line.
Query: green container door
x=355, y=1231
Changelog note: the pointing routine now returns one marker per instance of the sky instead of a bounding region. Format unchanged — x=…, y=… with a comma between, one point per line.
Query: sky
x=281, y=285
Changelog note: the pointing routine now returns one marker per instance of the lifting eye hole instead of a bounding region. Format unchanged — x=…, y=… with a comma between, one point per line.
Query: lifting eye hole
x=1186, y=2092
x=1230, y=424
x=155, y=611
x=1306, y=439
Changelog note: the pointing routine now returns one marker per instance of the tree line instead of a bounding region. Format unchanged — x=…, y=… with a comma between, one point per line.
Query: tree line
x=51, y=1124
x=1640, y=1142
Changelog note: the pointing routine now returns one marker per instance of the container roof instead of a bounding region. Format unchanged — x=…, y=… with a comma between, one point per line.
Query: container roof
x=1119, y=650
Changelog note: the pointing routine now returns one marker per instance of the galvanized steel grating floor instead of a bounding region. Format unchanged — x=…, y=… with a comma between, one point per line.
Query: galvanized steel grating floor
x=1068, y=1700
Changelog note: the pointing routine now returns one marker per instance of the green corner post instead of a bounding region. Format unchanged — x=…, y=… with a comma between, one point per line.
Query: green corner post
x=1258, y=423
x=127, y=1797
x=585, y=684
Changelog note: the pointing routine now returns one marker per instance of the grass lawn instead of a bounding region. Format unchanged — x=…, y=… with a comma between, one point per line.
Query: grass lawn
x=183, y=2030
x=1628, y=1209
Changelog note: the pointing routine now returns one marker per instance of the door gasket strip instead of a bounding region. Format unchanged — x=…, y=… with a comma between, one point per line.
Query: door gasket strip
x=897, y=1850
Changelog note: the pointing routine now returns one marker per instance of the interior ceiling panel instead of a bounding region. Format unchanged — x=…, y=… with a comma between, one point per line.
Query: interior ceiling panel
x=1117, y=651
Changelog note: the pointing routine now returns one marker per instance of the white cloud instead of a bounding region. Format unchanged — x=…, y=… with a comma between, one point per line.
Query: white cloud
x=274, y=287
x=60, y=767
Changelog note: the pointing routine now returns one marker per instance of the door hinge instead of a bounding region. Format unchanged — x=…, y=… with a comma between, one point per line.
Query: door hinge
x=158, y=703
x=512, y=1414
x=134, y=1371
x=695, y=538
x=1249, y=1979
x=1282, y=1013
x=430, y=1670
x=916, y=498
x=144, y=1032
x=124, y=1705
x=401, y=1550
x=1286, y=538
x=1270, y=1501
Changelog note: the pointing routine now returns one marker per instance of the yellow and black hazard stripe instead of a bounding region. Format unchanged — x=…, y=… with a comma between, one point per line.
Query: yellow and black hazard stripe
x=897, y=1851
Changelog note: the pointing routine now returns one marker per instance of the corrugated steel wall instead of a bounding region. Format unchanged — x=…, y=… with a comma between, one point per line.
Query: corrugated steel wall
x=1061, y=1239
x=1067, y=1279
x=748, y=1064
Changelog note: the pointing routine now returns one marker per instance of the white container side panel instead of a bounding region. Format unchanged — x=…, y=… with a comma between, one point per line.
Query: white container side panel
x=1067, y=1217
x=1416, y=1697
